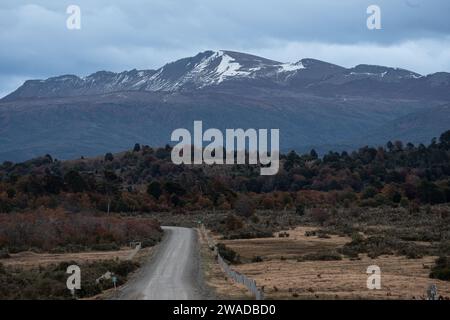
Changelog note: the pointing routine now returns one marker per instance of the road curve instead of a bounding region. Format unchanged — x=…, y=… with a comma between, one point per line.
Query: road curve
x=172, y=272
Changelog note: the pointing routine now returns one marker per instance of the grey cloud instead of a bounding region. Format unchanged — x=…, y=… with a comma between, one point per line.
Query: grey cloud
x=127, y=34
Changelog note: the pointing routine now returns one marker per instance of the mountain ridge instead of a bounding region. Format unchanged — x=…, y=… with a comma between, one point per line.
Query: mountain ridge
x=315, y=104
x=213, y=68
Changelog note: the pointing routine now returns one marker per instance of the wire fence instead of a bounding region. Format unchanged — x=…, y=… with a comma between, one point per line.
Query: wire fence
x=237, y=277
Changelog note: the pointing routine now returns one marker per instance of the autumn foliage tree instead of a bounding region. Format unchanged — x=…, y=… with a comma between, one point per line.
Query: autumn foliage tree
x=244, y=207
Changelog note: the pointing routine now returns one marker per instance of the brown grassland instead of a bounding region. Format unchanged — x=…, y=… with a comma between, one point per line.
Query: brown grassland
x=30, y=260
x=284, y=273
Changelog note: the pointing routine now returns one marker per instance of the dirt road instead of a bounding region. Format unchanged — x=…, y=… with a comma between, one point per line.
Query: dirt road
x=172, y=273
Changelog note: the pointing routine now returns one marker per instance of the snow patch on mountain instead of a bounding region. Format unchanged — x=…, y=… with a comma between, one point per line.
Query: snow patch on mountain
x=228, y=67
x=290, y=67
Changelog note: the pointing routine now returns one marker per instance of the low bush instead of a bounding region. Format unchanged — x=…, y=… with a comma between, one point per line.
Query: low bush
x=379, y=245
x=283, y=235
x=244, y=207
x=55, y=230
x=228, y=254
x=257, y=259
x=441, y=269
x=150, y=242
x=317, y=233
x=105, y=246
x=322, y=256
x=248, y=234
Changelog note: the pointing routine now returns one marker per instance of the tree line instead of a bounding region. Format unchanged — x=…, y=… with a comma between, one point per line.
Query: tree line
x=145, y=180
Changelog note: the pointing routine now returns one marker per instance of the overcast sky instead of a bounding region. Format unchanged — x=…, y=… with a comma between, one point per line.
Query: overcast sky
x=119, y=35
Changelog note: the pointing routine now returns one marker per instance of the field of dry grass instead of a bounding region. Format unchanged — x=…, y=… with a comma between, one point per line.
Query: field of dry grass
x=293, y=247
x=284, y=275
x=29, y=275
x=30, y=260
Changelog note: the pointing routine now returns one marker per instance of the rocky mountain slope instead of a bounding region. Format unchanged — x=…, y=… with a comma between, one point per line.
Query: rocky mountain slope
x=313, y=103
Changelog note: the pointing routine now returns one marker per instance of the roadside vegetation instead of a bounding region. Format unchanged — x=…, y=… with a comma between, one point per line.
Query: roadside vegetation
x=55, y=231
x=50, y=282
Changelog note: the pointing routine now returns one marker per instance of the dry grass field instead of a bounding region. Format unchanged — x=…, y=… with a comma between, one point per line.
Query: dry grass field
x=285, y=275
x=293, y=247
x=29, y=275
x=29, y=260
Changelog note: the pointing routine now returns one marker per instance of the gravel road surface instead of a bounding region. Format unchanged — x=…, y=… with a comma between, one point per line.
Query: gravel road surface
x=172, y=272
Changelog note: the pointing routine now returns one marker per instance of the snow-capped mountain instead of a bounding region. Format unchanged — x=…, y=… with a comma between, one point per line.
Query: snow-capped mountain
x=211, y=69
x=228, y=69
x=71, y=85
x=380, y=73
x=313, y=103
x=208, y=68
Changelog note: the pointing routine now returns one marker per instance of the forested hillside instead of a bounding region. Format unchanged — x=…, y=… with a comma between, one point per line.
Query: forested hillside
x=145, y=180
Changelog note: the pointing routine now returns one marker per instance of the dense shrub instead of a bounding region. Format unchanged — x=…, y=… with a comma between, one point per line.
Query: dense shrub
x=233, y=222
x=320, y=215
x=56, y=230
x=300, y=209
x=248, y=234
x=228, y=254
x=257, y=259
x=378, y=245
x=441, y=269
x=322, y=256
x=154, y=189
x=244, y=207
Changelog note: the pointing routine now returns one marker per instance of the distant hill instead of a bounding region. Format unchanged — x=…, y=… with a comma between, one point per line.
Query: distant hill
x=416, y=126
